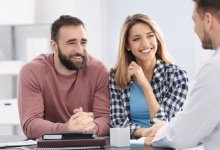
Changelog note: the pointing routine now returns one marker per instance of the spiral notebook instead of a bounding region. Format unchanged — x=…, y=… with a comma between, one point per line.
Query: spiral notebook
x=69, y=135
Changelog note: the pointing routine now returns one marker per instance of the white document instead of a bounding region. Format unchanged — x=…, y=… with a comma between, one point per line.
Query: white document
x=195, y=148
x=139, y=141
x=16, y=144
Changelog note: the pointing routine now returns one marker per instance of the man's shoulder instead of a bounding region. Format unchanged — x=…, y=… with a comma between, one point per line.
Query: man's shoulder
x=94, y=70
x=93, y=64
x=212, y=65
x=38, y=64
x=215, y=61
x=92, y=61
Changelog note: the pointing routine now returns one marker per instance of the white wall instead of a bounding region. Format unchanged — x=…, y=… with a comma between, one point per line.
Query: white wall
x=175, y=19
x=90, y=12
x=16, y=12
x=12, y=12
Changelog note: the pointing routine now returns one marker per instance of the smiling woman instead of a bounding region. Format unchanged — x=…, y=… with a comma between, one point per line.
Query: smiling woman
x=144, y=84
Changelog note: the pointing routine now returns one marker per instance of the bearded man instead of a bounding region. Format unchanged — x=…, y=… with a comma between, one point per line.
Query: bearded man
x=66, y=90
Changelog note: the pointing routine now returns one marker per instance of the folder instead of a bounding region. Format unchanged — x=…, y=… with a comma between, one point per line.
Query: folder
x=98, y=141
x=69, y=135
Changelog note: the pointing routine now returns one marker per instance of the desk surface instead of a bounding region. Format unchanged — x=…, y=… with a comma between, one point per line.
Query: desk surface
x=15, y=138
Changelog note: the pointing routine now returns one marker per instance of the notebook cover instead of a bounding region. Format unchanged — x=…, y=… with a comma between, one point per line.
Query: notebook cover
x=99, y=141
x=68, y=135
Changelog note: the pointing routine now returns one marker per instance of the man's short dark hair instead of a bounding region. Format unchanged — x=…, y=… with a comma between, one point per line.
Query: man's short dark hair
x=210, y=6
x=64, y=20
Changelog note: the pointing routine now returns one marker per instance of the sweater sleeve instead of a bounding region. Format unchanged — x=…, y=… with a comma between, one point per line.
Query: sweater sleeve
x=31, y=106
x=101, y=102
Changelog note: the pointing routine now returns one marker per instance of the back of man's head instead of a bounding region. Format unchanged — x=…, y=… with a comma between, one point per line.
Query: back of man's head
x=64, y=20
x=208, y=6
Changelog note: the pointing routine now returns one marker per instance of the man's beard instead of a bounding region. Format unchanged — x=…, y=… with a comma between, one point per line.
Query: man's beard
x=66, y=60
x=206, y=41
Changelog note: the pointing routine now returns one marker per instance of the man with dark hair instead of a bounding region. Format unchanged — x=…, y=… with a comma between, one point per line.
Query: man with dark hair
x=200, y=119
x=66, y=90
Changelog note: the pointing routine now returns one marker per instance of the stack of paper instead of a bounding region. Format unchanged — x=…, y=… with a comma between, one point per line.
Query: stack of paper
x=139, y=141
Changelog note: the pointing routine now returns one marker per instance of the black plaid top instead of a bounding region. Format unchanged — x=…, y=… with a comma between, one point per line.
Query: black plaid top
x=170, y=85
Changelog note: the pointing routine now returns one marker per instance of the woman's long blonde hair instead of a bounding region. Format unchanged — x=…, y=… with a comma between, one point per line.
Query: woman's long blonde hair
x=125, y=57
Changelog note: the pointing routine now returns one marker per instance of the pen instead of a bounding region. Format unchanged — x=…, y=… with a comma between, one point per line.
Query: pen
x=111, y=125
x=125, y=123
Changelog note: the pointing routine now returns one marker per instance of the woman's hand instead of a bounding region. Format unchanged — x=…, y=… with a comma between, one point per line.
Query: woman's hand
x=135, y=70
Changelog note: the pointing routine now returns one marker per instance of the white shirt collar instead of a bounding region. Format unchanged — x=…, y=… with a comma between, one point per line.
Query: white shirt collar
x=217, y=51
